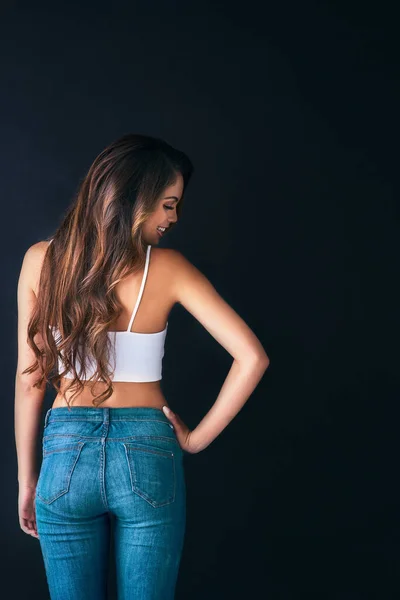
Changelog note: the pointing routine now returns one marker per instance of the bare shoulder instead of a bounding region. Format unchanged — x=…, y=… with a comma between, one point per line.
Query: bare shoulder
x=176, y=270
x=195, y=292
x=37, y=251
x=167, y=260
x=32, y=264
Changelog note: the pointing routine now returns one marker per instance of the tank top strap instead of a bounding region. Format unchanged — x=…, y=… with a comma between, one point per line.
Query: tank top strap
x=146, y=268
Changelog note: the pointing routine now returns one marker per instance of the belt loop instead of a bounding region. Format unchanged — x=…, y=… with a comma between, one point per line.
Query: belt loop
x=106, y=424
x=106, y=416
x=46, y=419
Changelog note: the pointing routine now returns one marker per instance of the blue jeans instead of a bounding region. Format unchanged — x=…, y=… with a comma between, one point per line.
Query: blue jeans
x=98, y=462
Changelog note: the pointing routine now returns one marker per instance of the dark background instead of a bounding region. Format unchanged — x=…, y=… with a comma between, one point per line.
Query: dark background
x=289, y=112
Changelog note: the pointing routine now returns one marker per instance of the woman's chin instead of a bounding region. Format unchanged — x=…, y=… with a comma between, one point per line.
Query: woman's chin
x=152, y=238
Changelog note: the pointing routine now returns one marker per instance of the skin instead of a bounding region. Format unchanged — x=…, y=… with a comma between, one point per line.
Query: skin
x=165, y=212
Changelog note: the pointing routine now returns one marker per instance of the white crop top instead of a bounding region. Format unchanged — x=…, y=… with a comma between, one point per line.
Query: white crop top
x=138, y=356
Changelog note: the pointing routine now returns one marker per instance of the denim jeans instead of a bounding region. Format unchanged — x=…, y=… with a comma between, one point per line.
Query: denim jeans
x=98, y=462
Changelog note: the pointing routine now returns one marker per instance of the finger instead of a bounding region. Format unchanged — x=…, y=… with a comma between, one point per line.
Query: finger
x=26, y=525
x=32, y=525
x=34, y=531
x=174, y=418
x=168, y=412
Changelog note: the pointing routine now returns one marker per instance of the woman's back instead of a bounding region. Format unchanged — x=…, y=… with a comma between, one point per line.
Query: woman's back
x=150, y=318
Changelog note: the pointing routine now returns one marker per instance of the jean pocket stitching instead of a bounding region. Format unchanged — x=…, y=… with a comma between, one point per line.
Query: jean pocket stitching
x=66, y=476
x=71, y=446
x=139, y=488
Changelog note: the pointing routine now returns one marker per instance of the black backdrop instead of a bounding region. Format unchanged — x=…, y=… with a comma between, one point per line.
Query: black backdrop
x=289, y=113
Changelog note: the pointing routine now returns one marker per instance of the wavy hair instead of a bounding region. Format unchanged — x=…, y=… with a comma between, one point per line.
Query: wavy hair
x=98, y=244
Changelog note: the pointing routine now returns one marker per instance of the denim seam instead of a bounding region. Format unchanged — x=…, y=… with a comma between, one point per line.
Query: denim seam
x=100, y=420
x=166, y=453
x=61, y=449
x=46, y=419
x=102, y=479
x=113, y=439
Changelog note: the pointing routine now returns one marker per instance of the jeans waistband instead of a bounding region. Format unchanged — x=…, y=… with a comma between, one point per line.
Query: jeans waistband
x=105, y=415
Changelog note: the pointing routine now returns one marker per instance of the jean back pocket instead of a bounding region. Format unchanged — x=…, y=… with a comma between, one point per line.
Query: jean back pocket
x=58, y=464
x=152, y=473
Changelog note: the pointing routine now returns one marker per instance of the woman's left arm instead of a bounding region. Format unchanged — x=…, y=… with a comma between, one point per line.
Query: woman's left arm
x=28, y=399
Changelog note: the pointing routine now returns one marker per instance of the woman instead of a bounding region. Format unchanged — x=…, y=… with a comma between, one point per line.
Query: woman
x=93, y=303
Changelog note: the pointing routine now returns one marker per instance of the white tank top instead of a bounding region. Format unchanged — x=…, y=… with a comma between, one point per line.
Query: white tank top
x=138, y=356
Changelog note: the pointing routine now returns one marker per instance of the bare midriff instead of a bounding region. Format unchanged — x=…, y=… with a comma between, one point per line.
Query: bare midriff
x=125, y=394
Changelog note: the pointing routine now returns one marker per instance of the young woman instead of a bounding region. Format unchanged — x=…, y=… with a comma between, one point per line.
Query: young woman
x=93, y=306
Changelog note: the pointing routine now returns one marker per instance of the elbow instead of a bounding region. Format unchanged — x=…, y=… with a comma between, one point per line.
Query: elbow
x=260, y=357
x=261, y=361
x=264, y=361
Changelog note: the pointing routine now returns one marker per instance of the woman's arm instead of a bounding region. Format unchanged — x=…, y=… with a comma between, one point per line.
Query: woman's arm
x=28, y=400
x=236, y=390
x=196, y=293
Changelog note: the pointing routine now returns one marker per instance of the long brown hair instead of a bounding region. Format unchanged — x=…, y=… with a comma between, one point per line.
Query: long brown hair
x=98, y=244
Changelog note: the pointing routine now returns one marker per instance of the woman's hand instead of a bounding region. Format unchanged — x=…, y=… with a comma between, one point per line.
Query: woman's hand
x=182, y=431
x=26, y=509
